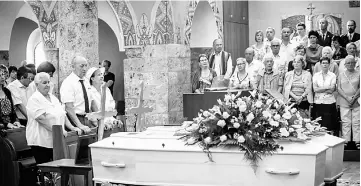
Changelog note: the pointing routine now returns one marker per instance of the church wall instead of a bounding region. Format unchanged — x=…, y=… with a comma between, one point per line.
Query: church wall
x=108, y=49
x=21, y=31
x=272, y=11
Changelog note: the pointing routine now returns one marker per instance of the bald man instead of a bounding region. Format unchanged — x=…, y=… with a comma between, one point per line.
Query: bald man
x=74, y=94
x=325, y=38
x=253, y=66
x=220, y=60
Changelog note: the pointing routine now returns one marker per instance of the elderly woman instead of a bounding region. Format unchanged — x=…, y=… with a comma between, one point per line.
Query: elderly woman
x=96, y=79
x=44, y=110
x=351, y=49
x=46, y=67
x=240, y=78
x=333, y=67
x=349, y=95
x=338, y=51
x=298, y=85
x=314, y=50
x=203, y=77
x=301, y=51
x=260, y=48
x=8, y=117
x=269, y=77
x=324, y=85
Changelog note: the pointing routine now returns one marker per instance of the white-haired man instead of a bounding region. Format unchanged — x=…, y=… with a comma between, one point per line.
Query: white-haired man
x=287, y=47
x=325, y=37
x=253, y=66
x=269, y=77
x=220, y=60
x=74, y=94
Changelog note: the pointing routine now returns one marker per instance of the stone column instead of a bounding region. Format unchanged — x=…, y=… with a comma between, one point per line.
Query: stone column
x=78, y=34
x=165, y=70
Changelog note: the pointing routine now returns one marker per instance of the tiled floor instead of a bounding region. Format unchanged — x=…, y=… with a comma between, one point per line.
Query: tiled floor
x=351, y=174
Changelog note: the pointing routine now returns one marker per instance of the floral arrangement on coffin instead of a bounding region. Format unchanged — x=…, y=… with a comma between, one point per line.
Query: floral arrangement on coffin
x=254, y=124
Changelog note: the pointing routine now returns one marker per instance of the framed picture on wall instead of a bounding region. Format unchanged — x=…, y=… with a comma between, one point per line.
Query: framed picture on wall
x=353, y=4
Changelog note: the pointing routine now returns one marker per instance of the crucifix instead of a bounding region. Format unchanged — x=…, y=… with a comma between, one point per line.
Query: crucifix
x=101, y=114
x=311, y=8
x=139, y=109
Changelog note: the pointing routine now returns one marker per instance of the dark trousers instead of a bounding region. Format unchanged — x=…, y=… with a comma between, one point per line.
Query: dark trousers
x=328, y=113
x=23, y=122
x=42, y=154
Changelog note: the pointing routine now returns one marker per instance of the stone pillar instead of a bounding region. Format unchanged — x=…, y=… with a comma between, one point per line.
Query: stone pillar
x=78, y=34
x=165, y=70
x=52, y=55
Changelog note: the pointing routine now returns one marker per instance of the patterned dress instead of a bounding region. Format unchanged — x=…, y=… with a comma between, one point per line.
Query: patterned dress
x=259, y=53
x=5, y=106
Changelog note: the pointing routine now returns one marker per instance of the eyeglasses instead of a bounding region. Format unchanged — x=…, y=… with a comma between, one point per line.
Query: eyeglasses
x=239, y=64
x=275, y=45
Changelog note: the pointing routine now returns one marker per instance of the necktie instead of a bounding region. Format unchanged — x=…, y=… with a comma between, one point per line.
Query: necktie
x=85, y=96
x=324, y=36
x=350, y=37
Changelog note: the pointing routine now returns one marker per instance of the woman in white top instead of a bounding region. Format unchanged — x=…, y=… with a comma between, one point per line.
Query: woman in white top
x=96, y=80
x=324, y=85
x=260, y=48
x=240, y=78
x=44, y=110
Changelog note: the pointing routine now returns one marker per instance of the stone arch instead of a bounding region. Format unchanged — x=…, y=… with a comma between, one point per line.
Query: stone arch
x=192, y=6
x=104, y=7
x=162, y=23
x=128, y=21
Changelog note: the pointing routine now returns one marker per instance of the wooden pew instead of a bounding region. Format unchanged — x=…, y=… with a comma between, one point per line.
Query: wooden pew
x=17, y=164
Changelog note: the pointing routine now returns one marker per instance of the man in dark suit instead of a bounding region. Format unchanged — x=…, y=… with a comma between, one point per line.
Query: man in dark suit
x=325, y=37
x=351, y=35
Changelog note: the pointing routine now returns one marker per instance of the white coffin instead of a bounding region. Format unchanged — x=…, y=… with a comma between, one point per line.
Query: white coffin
x=150, y=158
x=334, y=155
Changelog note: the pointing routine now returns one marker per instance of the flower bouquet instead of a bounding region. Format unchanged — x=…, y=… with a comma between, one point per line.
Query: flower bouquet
x=255, y=124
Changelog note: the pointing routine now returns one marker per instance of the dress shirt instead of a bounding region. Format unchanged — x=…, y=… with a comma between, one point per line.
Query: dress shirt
x=20, y=95
x=280, y=63
x=36, y=133
x=32, y=88
x=71, y=91
x=300, y=41
x=218, y=65
x=288, y=51
x=253, y=69
x=319, y=81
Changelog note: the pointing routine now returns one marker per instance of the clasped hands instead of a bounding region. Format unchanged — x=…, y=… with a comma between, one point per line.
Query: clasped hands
x=15, y=125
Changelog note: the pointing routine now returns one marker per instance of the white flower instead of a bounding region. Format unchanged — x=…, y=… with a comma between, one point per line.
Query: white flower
x=208, y=140
x=191, y=141
x=216, y=109
x=310, y=127
x=287, y=115
x=232, y=120
x=236, y=125
x=202, y=130
x=276, y=105
x=233, y=97
x=297, y=126
x=250, y=117
x=274, y=123
x=206, y=113
x=291, y=130
x=221, y=123
x=284, y=132
x=277, y=117
x=223, y=138
x=219, y=101
x=293, y=110
x=301, y=136
x=225, y=115
x=241, y=139
x=269, y=101
x=258, y=104
x=212, y=117
x=227, y=98
x=307, y=120
x=253, y=93
x=242, y=108
x=193, y=127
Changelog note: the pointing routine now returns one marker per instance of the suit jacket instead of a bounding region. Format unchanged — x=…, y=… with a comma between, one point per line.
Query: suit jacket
x=325, y=42
x=344, y=39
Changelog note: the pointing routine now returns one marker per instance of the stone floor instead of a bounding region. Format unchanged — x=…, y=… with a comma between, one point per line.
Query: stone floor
x=351, y=175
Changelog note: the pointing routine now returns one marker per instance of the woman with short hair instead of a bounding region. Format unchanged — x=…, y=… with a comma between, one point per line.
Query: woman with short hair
x=301, y=51
x=351, y=49
x=44, y=110
x=338, y=51
x=348, y=99
x=333, y=67
x=298, y=85
x=314, y=50
x=324, y=85
x=203, y=77
x=240, y=78
x=48, y=68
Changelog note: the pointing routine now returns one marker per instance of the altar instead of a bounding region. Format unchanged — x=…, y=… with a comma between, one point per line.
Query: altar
x=157, y=157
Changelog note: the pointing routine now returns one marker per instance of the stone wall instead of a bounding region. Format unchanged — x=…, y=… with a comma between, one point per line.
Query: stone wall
x=78, y=34
x=165, y=70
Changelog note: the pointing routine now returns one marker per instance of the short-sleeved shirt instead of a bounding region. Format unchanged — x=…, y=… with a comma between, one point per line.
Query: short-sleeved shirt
x=319, y=81
x=32, y=88
x=71, y=91
x=20, y=95
x=36, y=133
x=110, y=76
x=253, y=69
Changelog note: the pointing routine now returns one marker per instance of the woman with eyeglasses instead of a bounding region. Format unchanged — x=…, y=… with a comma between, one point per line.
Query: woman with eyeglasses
x=348, y=98
x=333, y=67
x=300, y=51
x=240, y=78
x=203, y=77
x=8, y=117
x=324, y=85
x=314, y=50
